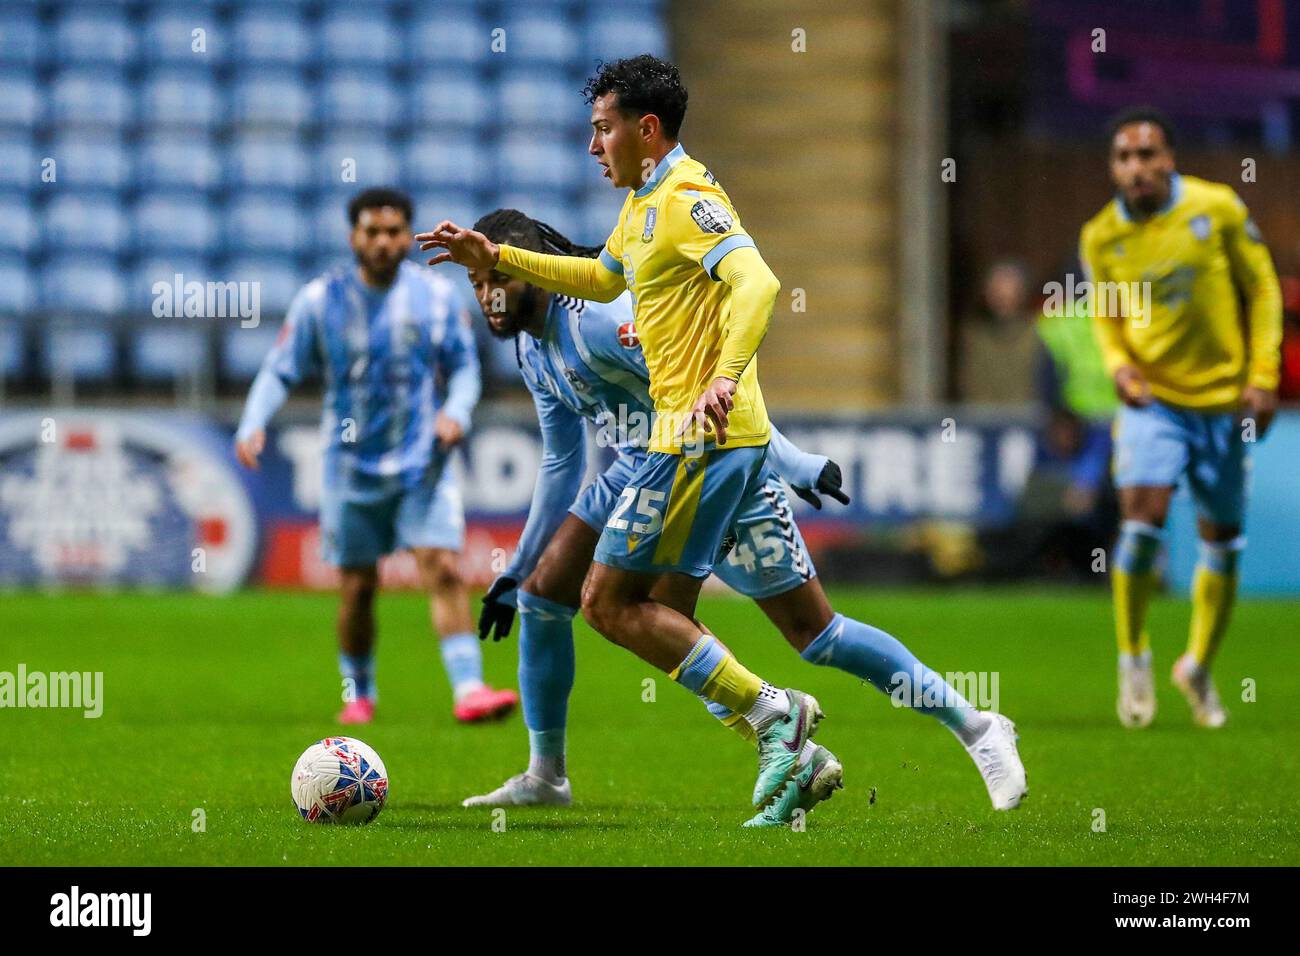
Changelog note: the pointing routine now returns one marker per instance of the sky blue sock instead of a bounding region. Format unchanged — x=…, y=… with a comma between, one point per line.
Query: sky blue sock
x=463, y=658
x=359, y=669
x=545, y=661
x=546, y=670
x=872, y=655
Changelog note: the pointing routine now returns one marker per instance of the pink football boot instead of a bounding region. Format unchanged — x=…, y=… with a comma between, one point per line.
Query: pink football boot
x=485, y=703
x=360, y=711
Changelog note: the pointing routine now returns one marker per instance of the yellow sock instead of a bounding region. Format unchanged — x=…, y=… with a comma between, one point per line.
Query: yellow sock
x=741, y=726
x=732, y=685
x=1132, y=593
x=1213, y=594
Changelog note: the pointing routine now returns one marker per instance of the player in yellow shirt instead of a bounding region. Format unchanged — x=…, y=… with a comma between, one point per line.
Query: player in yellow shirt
x=702, y=300
x=1168, y=259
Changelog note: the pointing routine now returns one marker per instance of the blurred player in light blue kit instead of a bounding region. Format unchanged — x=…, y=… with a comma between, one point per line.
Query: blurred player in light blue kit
x=385, y=338
x=582, y=361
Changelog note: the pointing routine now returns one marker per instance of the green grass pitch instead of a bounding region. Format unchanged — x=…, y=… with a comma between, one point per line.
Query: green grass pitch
x=209, y=701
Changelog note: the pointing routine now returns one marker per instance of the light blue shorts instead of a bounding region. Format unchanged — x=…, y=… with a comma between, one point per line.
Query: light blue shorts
x=357, y=533
x=1160, y=444
x=760, y=554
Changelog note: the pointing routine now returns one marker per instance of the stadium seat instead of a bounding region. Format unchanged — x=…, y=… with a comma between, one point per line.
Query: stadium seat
x=182, y=160
x=443, y=162
x=19, y=99
x=267, y=162
x=273, y=98
x=94, y=160
x=278, y=280
x=87, y=352
x=181, y=98
x=449, y=99
x=550, y=209
x=167, y=221
x=367, y=158
x=81, y=285
x=459, y=206
x=163, y=267
x=85, y=36
x=449, y=36
x=329, y=217
x=171, y=38
x=545, y=40
x=610, y=37
x=530, y=98
x=360, y=100
x=84, y=222
x=13, y=348
x=242, y=350
x=19, y=165
x=164, y=353
x=19, y=235
x=263, y=35
x=533, y=161
x=22, y=38
x=265, y=223
x=91, y=98
x=363, y=37
x=17, y=294
x=600, y=213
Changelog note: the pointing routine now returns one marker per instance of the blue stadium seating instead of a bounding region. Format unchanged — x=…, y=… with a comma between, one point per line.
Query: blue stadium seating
x=12, y=358
x=87, y=352
x=180, y=221
x=181, y=160
x=82, y=285
x=132, y=147
x=242, y=350
x=84, y=222
x=94, y=35
x=96, y=160
x=177, y=97
x=19, y=100
x=17, y=292
x=163, y=353
x=359, y=99
x=19, y=166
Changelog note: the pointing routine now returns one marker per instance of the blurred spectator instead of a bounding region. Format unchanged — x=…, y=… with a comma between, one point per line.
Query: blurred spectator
x=998, y=344
x=1289, y=389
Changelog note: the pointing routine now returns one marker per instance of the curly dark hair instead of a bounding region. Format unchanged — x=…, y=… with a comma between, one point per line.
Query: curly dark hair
x=378, y=197
x=643, y=84
x=1142, y=114
x=519, y=230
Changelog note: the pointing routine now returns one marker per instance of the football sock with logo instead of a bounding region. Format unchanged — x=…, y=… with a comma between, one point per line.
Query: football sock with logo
x=358, y=672
x=1214, y=589
x=881, y=660
x=1132, y=583
x=712, y=672
x=546, y=670
x=463, y=659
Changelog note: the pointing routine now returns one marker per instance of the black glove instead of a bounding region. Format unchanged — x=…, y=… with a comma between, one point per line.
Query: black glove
x=829, y=482
x=497, y=615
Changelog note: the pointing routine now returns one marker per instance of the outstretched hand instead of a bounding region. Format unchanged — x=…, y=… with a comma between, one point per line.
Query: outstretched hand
x=829, y=482
x=465, y=247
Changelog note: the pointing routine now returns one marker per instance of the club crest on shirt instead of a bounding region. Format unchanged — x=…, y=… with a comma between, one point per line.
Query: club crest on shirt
x=627, y=336
x=711, y=216
x=651, y=216
x=1200, y=226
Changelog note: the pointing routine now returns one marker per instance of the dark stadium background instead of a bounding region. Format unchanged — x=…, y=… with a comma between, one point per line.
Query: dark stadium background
x=140, y=141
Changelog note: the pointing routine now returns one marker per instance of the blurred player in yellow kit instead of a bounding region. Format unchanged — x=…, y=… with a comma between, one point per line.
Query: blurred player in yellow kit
x=1169, y=257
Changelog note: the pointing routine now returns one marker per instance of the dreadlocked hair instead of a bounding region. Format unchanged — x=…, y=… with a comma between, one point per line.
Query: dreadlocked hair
x=514, y=228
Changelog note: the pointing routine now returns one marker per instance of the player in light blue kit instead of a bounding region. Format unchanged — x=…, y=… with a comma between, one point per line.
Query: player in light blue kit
x=582, y=362
x=383, y=337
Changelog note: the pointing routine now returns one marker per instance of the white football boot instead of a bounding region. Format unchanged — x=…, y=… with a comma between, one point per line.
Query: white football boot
x=525, y=790
x=1136, y=705
x=1198, y=687
x=999, y=763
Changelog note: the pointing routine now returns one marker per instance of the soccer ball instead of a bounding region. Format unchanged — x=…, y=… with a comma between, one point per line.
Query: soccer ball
x=339, y=780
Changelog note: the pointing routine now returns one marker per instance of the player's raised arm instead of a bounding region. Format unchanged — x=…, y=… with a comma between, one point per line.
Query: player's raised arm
x=578, y=276
x=293, y=358
x=1254, y=275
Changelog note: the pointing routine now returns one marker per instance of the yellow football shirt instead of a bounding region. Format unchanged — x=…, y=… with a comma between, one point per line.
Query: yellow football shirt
x=1165, y=296
x=671, y=235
